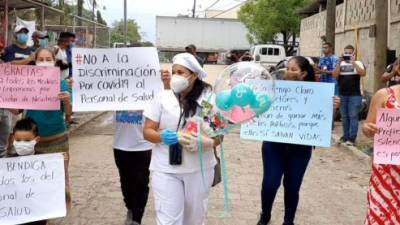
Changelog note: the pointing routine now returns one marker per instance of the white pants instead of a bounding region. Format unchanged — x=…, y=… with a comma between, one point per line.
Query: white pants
x=181, y=199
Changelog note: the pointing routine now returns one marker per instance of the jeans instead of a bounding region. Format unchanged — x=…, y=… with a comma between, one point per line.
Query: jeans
x=289, y=161
x=134, y=174
x=349, y=109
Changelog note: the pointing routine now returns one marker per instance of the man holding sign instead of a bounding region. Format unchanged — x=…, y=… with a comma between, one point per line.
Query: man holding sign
x=384, y=187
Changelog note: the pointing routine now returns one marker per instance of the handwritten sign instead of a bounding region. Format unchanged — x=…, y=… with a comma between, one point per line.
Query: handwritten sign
x=300, y=114
x=29, y=87
x=115, y=79
x=32, y=188
x=387, y=140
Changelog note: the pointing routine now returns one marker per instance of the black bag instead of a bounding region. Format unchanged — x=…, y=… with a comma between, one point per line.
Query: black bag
x=175, y=154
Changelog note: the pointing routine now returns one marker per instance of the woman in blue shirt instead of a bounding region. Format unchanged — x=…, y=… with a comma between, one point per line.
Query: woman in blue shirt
x=51, y=123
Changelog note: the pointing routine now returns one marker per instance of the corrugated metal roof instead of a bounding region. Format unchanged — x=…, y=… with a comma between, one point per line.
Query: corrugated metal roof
x=19, y=4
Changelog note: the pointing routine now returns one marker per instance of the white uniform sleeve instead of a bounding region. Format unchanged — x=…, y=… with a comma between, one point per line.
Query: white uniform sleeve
x=153, y=109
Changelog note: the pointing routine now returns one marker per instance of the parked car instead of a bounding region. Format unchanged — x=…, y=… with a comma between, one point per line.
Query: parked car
x=267, y=55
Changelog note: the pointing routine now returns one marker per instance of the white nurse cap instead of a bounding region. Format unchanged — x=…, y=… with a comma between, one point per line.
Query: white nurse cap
x=190, y=62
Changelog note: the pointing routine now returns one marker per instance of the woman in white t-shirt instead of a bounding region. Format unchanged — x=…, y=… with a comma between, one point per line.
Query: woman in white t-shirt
x=180, y=189
x=132, y=156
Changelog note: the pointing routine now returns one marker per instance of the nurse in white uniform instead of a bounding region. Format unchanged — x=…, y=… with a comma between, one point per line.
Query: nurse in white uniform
x=180, y=189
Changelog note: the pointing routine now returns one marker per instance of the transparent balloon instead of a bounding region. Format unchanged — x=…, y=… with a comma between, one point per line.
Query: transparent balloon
x=240, y=96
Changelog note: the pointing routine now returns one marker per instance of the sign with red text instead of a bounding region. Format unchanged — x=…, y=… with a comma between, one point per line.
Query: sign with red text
x=29, y=87
x=32, y=188
x=115, y=79
x=387, y=139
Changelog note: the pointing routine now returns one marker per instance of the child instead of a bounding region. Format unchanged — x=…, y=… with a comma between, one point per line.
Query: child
x=25, y=139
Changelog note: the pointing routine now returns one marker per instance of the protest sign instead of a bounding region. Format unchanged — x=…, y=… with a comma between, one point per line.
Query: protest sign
x=115, y=79
x=387, y=140
x=300, y=114
x=32, y=188
x=29, y=87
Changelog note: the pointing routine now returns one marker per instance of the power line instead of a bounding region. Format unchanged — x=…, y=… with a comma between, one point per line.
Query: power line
x=227, y=10
x=227, y=4
x=212, y=5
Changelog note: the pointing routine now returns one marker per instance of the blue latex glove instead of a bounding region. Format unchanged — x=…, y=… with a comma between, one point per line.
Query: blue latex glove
x=168, y=137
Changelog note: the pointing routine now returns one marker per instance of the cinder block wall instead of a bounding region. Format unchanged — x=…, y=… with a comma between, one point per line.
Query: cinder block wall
x=353, y=21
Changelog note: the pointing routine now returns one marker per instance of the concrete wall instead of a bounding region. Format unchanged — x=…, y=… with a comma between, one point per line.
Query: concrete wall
x=353, y=21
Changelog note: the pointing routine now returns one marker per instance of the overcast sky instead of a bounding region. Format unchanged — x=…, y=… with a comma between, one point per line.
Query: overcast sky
x=144, y=11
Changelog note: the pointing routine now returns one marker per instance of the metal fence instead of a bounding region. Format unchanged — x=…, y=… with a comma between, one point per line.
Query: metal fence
x=89, y=33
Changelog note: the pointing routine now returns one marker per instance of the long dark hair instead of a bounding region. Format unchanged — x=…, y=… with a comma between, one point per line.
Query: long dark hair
x=189, y=102
x=305, y=65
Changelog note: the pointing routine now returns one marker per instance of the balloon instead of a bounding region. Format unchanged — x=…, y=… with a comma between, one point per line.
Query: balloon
x=261, y=104
x=239, y=114
x=242, y=95
x=224, y=100
x=238, y=98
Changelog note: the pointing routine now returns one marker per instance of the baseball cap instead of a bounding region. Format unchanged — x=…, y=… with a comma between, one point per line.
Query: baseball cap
x=19, y=28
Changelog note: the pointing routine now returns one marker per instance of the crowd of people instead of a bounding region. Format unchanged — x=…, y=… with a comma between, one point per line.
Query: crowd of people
x=149, y=142
x=28, y=132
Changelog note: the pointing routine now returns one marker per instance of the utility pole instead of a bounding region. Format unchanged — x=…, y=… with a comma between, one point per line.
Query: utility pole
x=94, y=23
x=194, y=9
x=330, y=21
x=61, y=6
x=125, y=25
x=94, y=10
x=80, y=10
x=381, y=42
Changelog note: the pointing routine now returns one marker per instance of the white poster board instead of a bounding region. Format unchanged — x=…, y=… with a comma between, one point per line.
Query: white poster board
x=32, y=188
x=115, y=79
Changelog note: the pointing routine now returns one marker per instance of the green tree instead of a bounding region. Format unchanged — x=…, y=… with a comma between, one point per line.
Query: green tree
x=265, y=19
x=117, y=31
x=100, y=18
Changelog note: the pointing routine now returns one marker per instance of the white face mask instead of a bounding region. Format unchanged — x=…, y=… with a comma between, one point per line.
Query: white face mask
x=47, y=63
x=25, y=147
x=179, y=83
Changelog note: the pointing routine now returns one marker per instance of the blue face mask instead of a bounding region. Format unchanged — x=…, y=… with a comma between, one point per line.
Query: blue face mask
x=22, y=38
x=42, y=43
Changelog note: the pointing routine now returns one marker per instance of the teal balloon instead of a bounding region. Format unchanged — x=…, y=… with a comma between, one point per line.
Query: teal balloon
x=224, y=100
x=242, y=95
x=261, y=104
